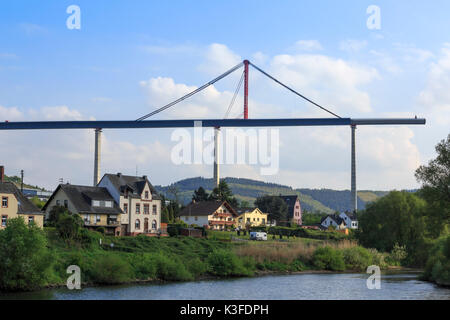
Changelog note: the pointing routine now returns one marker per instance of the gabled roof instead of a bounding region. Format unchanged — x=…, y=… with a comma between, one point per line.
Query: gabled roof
x=81, y=198
x=25, y=206
x=134, y=184
x=334, y=217
x=241, y=211
x=352, y=216
x=290, y=201
x=205, y=208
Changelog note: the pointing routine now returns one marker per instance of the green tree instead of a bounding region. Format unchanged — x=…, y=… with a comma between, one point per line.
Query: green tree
x=397, y=218
x=435, y=178
x=274, y=206
x=200, y=195
x=69, y=226
x=37, y=202
x=223, y=193
x=54, y=214
x=24, y=257
x=165, y=215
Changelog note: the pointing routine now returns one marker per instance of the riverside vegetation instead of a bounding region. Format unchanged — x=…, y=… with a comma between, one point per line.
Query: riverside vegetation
x=31, y=258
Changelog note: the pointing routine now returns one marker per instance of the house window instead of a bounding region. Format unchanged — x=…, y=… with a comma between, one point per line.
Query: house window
x=138, y=208
x=263, y=221
x=154, y=209
x=187, y=218
x=4, y=202
x=4, y=219
x=30, y=219
x=58, y=203
x=154, y=224
x=97, y=218
x=138, y=224
x=146, y=209
x=66, y=204
x=86, y=219
x=95, y=203
x=196, y=218
x=125, y=207
x=108, y=204
x=146, y=194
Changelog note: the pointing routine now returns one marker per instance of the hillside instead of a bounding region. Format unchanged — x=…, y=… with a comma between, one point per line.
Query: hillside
x=318, y=200
x=16, y=181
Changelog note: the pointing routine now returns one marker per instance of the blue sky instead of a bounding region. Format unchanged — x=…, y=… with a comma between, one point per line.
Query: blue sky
x=131, y=57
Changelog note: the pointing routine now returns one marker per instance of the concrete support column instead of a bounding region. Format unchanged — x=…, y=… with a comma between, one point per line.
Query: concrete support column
x=97, y=155
x=354, y=192
x=217, y=155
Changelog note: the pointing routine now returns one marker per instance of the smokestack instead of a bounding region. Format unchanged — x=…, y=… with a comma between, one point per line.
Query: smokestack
x=2, y=173
x=21, y=181
x=216, y=156
x=98, y=146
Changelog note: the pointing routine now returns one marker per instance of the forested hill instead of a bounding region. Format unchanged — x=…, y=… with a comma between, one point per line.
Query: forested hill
x=323, y=200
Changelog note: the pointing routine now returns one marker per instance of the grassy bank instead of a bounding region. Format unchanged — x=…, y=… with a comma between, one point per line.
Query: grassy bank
x=112, y=260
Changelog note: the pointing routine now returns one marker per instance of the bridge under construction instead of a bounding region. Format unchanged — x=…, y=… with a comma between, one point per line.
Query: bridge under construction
x=143, y=123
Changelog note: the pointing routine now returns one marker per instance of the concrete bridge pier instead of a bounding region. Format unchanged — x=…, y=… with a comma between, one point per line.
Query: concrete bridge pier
x=97, y=155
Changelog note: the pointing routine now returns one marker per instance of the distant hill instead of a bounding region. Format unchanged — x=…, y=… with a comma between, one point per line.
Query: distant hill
x=319, y=200
x=16, y=181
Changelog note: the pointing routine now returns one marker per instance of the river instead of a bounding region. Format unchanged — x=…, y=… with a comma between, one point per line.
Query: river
x=345, y=286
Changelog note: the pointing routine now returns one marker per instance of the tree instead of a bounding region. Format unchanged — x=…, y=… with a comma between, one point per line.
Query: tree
x=435, y=189
x=69, y=226
x=200, y=195
x=274, y=206
x=24, y=257
x=223, y=193
x=397, y=218
x=165, y=215
x=54, y=214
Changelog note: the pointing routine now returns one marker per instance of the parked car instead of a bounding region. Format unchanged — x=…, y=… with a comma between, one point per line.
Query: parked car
x=259, y=236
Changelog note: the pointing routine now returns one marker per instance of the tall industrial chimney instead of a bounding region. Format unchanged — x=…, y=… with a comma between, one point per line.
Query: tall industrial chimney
x=98, y=147
x=2, y=173
x=216, y=155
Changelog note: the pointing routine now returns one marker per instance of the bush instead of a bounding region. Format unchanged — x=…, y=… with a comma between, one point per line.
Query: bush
x=24, y=257
x=437, y=268
x=397, y=255
x=327, y=258
x=171, y=269
x=110, y=269
x=357, y=258
x=144, y=265
x=226, y=263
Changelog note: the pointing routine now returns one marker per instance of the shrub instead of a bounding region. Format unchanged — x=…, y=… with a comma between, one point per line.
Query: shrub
x=171, y=269
x=397, y=255
x=357, y=258
x=110, y=269
x=437, y=268
x=144, y=265
x=327, y=258
x=225, y=263
x=24, y=257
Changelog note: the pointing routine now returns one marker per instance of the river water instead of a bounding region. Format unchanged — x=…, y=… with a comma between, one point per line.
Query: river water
x=345, y=286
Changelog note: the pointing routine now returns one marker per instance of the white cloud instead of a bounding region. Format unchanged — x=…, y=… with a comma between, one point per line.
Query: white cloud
x=308, y=45
x=385, y=61
x=330, y=81
x=352, y=45
x=219, y=58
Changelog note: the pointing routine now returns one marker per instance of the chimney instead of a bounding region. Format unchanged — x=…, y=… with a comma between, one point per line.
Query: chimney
x=144, y=177
x=2, y=173
x=119, y=174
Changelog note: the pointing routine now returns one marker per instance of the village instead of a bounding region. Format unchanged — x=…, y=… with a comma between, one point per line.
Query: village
x=123, y=205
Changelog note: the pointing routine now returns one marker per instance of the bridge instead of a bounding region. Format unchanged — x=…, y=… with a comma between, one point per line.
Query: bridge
x=142, y=123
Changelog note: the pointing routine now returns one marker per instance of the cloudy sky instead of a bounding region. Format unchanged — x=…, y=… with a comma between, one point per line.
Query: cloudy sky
x=129, y=58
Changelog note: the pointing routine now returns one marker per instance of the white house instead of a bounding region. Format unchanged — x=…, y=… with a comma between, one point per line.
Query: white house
x=333, y=220
x=138, y=200
x=350, y=220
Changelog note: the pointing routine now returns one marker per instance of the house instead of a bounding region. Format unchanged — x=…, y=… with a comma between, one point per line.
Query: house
x=294, y=208
x=350, y=220
x=139, y=202
x=14, y=204
x=333, y=220
x=250, y=217
x=217, y=215
x=95, y=205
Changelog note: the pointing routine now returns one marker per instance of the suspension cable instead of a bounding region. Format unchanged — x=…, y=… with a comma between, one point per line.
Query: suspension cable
x=191, y=93
x=238, y=88
x=292, y=90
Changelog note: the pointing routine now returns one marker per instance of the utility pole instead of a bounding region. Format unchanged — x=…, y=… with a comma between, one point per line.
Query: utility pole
x=217, y=156
x=21, y=181
x=354, y=192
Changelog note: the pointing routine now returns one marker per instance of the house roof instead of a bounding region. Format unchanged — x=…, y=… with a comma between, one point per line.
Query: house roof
x=352, y=216
x=25, y=206
x=335, y=217
x=205, y=208
x=290, y=201
x=134, y=184
x=81, y=198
